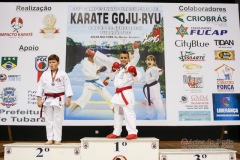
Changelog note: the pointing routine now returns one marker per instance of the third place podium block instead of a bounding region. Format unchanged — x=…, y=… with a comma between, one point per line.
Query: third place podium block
x=197, y=154
x=119, y=149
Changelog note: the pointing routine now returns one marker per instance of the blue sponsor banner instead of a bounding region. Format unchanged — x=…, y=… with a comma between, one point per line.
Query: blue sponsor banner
x=226, y=106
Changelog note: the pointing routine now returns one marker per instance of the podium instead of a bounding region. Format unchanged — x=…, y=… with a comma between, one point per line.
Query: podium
x=119, y=149
x=40, y=151
x=197, y=154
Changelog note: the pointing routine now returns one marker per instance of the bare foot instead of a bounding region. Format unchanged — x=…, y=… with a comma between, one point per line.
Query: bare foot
x=57, y=142
x=49, y=142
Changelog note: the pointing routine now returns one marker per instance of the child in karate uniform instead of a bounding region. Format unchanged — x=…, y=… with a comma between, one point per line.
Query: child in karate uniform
x=151, y=89
x=124, y=75
x=52, y=87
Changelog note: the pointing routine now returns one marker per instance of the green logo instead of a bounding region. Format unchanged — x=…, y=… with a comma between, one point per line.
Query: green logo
x=9, y=62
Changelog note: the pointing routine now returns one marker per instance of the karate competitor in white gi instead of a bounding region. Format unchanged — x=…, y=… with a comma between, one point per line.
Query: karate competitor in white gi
x=52, y=87
x=92, y=84
x=103, y=60
x=124, y=76
x=92, y=67
x=151, y=89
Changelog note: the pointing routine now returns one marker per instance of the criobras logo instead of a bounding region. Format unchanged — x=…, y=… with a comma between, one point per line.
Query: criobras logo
x=201, y=18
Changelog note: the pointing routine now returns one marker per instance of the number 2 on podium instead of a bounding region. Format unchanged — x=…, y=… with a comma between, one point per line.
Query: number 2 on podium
x=41, y=151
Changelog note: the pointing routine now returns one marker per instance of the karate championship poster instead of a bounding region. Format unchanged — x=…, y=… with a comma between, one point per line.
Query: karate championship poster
x=107, y=30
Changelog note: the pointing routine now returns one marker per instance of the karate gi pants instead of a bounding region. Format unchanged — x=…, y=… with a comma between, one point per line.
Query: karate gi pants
x=127, y=112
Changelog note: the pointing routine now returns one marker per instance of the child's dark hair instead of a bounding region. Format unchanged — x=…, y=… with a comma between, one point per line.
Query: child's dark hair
x=53, y=57
x=125, y=52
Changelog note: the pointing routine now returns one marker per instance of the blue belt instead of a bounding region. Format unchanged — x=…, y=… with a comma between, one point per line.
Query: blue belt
x=94, y=82
x=148, y=91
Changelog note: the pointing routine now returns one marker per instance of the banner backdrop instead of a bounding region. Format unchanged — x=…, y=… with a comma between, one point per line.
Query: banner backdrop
x=195, y=47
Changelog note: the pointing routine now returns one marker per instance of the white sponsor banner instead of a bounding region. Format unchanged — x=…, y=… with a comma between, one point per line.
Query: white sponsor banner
x=196, y=45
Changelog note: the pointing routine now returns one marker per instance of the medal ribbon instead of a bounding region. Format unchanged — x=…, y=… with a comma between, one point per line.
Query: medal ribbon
x=53, y=77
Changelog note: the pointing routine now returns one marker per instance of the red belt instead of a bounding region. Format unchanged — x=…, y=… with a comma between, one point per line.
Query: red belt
x=119, y=90
x=54, y=95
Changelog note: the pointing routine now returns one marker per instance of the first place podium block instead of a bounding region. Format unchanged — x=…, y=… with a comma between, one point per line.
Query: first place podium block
x=119, y=149
x=40, y=151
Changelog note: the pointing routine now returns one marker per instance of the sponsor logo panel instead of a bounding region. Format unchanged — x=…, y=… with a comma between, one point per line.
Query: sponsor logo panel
x=191, y=44
x=3, y=77
x=17, y=24
x=41, y=65
x=194, y=115
x=9, y=97
x=226, y=106
x=49, y=30
x=195, y=101
x=188, y=56
x=228, y=55
x=9, y=62
x=193, y=83
x=222, y=43
x=220, y=20
x=225, y=82
x=199, y=31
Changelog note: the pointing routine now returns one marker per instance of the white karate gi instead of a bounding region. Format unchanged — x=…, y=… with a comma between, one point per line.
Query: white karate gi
x=152, y=75
x=53, y=106
x=92, y=85
x=103, y=60
x=121, y=110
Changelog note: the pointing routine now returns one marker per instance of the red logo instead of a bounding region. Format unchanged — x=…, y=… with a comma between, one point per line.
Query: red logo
x=17, y=24
x=120, y=157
